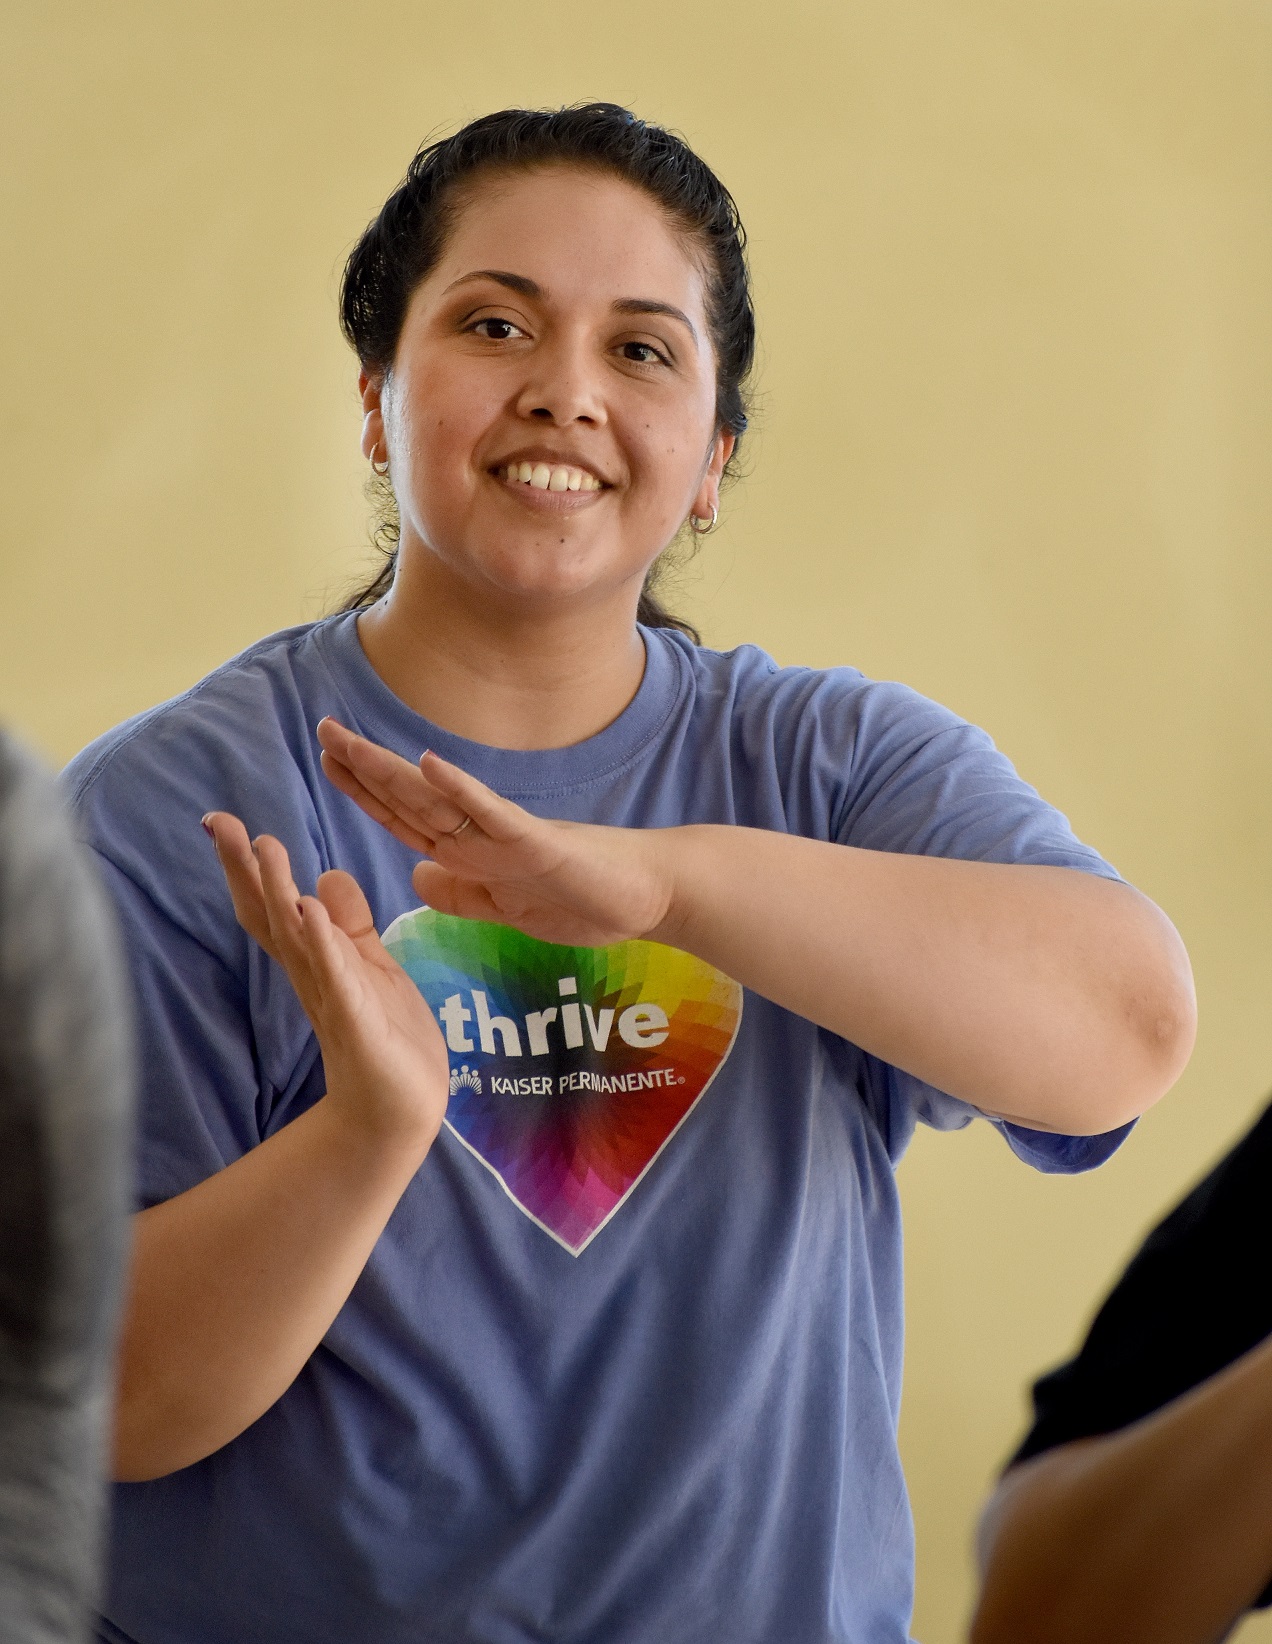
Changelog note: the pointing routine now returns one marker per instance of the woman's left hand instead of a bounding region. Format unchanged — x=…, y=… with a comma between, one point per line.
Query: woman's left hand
x=564, y=882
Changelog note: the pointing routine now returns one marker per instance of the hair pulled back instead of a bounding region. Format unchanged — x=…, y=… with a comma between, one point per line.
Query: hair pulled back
x=403, y=244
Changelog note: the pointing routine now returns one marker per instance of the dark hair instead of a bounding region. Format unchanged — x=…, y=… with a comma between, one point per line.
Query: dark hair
x=404, y=242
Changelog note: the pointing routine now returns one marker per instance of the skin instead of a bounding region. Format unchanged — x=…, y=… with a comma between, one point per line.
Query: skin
x=1037, y=993
x=1158, y=1534
x=511, y=617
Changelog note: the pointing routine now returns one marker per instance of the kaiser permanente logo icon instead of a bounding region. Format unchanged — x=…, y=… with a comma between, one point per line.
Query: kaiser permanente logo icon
x=571, y=1068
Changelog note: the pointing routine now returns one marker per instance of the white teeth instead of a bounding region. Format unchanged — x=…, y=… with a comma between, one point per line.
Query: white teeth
x=544, y=477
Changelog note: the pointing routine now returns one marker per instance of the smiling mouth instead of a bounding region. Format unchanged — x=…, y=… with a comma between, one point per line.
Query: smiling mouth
x=543, y=476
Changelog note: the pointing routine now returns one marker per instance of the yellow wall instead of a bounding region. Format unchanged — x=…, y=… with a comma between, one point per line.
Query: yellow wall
x=1012, y=261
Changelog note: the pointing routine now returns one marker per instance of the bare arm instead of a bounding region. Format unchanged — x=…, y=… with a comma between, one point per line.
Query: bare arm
x=1158, y=1534
x=1040, y=994
x=235, y=1282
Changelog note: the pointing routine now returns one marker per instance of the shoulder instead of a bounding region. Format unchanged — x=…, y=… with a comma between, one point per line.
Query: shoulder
x=249, y=700
x=837, y=703
x=241, y=739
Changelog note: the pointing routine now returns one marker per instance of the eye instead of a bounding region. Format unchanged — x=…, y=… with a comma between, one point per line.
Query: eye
x=498, y=330
x=643, y=353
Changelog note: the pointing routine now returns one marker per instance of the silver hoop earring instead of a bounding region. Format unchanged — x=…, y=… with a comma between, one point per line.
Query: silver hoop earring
x=375, y=466
x=701, y=529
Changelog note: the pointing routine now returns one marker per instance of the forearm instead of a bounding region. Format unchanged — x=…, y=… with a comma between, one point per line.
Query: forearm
x=1160, y=1534
x=235, y=1282
x=1036, y=993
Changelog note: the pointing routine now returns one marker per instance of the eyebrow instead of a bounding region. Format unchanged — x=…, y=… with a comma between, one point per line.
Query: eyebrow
x=514, y=282
x=646, y=305
x=530, y=288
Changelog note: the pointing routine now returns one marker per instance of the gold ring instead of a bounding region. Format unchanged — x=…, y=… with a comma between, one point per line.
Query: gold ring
x=454, y=833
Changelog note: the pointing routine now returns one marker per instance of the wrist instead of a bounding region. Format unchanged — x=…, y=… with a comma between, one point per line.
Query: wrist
x=386, y=1146
x=679, y=861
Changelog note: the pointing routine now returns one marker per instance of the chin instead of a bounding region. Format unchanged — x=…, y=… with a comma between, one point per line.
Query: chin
x=537, y=581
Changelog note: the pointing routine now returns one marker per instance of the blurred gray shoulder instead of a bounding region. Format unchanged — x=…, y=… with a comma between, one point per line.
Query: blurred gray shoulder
x=65, y=1102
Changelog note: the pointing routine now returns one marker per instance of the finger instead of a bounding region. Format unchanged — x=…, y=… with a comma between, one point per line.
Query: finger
x=281, y=896
x=340, y=776
x=242, y=875
x=400, y=787
x=326, y=951
x=386, y=776
x=446, y=893
x=499, y=819
x=348, y=909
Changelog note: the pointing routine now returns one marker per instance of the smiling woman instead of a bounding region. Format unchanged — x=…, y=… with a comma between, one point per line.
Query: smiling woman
x=591, y=360
x=626, y=313
x=526, y=1264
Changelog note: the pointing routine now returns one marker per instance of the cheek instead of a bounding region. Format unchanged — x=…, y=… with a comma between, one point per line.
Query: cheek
x=446, y=414
x=671, y=453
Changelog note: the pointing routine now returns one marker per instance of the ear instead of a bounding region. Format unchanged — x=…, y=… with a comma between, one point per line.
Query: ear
x=372, y=392
x=707, y=500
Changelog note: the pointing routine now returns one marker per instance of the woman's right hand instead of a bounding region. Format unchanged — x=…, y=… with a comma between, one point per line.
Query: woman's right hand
x=383, y=1053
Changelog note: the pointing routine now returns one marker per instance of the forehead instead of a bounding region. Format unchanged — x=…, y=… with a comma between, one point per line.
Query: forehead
x=582, y=235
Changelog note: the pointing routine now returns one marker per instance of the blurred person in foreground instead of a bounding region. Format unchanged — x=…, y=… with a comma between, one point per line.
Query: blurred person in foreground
x=1139, y=1507
x=65, y=1096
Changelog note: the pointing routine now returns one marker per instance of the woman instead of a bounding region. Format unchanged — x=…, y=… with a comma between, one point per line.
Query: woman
x=614, y=1354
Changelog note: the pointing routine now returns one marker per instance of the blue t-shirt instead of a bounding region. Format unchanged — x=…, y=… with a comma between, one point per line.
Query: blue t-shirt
x=625, y=1364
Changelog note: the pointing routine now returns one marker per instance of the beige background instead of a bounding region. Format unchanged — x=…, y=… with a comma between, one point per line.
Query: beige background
x=1012, y=260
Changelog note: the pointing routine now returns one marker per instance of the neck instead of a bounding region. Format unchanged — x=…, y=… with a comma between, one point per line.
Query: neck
x=507, y=677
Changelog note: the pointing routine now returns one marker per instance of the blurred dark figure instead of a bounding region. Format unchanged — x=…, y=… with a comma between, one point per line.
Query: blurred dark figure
x=65, y=1097
x=1138, y=1510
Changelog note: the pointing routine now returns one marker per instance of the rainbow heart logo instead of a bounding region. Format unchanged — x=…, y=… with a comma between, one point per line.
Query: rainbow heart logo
x=571, y=1068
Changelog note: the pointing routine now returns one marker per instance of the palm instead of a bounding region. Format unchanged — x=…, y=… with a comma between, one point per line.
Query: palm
x=383, y=1053
x=372, y=1023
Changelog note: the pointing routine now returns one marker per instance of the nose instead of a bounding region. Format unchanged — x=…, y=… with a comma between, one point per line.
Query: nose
x=563, y=385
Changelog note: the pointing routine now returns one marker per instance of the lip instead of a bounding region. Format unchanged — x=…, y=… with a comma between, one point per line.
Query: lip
x=545, y=502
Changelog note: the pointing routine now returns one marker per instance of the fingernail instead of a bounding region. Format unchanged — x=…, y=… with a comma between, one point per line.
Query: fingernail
x=255, y=852
x=207, y=827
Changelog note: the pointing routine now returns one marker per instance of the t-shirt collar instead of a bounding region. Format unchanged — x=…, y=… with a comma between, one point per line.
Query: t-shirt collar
x=379, y=714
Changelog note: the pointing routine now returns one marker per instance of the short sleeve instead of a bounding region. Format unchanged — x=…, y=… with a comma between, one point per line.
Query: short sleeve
x=203, y=1100
x=924, y=782
x=912, y=1103
x=1183, y=1310
x=225, y=1054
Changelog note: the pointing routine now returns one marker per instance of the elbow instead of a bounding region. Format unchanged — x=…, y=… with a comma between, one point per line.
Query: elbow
x=1143, y=997
x=1161, y=1015
x=154, y=1433
x=138, y=1453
